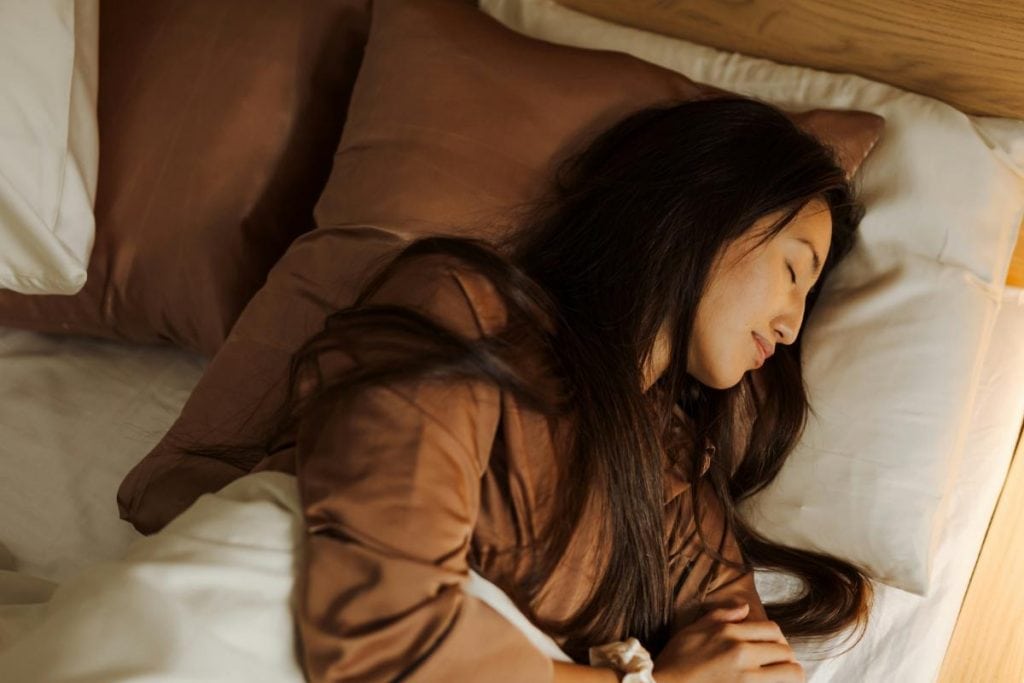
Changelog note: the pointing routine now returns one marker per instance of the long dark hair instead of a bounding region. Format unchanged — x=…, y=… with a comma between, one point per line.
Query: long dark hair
x=624, y=240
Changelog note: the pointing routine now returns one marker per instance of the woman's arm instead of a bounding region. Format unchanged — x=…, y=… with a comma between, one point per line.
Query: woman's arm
x=389, y=480
x=727, y=585
x=732, y=586
x=727, y=634
x=577, y=673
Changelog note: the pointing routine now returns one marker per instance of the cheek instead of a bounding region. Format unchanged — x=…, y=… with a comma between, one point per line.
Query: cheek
x=723, y=349
x=713, y=350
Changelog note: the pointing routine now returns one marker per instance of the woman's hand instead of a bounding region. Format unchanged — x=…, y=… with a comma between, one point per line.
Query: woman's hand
x=723, y=648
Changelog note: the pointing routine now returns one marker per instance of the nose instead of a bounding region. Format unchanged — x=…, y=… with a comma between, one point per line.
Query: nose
x=787, y=324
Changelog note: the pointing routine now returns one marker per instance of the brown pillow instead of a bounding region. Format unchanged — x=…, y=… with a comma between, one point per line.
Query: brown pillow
x=218, y=122
x=454, y=119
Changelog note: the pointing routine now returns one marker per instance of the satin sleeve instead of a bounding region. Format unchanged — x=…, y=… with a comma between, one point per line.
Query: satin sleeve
x=389, y=479
x=700, y=582
x=730, y=584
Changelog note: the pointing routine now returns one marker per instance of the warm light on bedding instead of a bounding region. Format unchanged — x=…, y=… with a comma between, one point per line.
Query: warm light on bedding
x=913, y=360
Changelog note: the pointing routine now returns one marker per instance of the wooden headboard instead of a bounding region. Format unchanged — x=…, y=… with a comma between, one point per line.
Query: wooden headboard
x=968, y=54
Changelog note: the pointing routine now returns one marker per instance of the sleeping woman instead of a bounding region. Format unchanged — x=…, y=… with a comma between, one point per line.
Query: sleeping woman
x=574, y=413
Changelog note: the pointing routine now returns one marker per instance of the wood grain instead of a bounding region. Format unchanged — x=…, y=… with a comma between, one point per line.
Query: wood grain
x=968, y=54
x=1015, y=278
x=988, y=641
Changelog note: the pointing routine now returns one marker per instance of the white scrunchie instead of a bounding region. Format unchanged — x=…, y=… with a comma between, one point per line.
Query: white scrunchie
x=627, y=657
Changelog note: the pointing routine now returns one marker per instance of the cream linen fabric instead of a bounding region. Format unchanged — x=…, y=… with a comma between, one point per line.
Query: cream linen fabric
x=49, y=143
x=206, y=598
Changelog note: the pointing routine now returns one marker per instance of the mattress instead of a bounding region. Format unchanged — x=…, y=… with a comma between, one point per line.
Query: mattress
x=76, y=414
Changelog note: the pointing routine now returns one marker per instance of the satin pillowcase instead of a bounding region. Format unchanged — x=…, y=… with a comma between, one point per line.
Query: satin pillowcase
x=411, y=163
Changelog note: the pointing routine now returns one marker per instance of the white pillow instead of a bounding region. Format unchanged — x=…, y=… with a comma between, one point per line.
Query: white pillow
x=893, y=363
x=894, y=349
x=49, y=143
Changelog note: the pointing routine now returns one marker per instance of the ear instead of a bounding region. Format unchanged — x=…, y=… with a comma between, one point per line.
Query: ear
x=853, y=134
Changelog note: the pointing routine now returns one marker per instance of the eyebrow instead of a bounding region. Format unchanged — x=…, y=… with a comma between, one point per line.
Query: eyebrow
x=817, y=261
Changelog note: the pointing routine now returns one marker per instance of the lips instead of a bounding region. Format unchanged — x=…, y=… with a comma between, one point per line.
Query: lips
x=765, y=350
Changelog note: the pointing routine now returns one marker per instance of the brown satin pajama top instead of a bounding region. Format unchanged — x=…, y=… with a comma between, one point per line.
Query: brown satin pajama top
x=399, y=493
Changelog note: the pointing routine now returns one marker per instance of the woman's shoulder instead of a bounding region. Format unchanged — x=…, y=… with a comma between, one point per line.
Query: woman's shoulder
x=447, y=289
x=457, y=294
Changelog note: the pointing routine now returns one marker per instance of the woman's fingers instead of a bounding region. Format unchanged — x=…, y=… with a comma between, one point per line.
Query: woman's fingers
x=788, y=672
x=750, y=655
x=754, y=630
x=731, y=649
x=736, y=612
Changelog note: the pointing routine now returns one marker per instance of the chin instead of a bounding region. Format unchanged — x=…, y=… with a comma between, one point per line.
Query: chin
x=727, y=385
x=717, y=380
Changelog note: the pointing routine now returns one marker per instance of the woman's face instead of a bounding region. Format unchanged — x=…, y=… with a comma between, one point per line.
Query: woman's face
x=753, y=293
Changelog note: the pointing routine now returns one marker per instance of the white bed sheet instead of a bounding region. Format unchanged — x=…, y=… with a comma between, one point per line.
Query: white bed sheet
x=76, y=414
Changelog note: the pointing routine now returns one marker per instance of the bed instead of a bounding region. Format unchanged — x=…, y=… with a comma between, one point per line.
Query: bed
x=78, y=413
